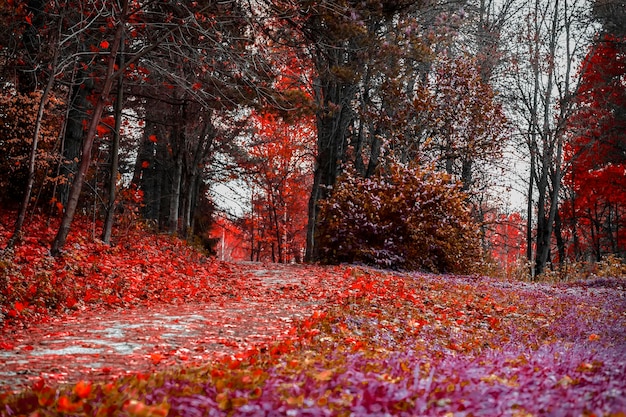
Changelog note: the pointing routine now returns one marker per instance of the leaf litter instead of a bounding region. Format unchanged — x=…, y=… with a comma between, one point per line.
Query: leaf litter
x=188, y=337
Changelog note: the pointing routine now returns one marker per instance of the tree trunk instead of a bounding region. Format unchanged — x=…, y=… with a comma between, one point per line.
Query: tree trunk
x=529, y=219
x=175, y=193
x=558, y=233
x=115, y=147
x=74, y=131
x=148, y=167
x=85, y=161
x=549, y=160
x=332, y=123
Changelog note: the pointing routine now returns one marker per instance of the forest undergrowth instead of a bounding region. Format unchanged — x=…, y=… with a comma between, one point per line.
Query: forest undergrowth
x=386, y=343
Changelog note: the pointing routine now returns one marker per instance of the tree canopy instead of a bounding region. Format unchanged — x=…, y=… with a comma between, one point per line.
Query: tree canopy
x=137, y=109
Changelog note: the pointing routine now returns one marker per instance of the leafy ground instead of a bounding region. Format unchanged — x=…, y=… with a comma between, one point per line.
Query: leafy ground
x=368, y=342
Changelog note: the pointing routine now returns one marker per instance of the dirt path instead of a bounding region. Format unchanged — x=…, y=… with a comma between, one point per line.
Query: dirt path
x=97, y=345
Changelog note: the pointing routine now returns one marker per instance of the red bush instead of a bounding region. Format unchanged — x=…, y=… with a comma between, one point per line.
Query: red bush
x=404, y=218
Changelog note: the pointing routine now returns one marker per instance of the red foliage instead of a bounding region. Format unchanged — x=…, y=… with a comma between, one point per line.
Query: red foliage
x=507, y=240
x=279, y=168
x=231, y=238
x=594, y=213
x=34, y=285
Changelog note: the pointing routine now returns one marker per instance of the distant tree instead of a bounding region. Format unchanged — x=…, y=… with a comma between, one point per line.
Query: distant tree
x=594, y=214
x=506, y=237
x=354, y=54
x=193, y=60
x=278, y=166
x=463, y=126
x=541, y=93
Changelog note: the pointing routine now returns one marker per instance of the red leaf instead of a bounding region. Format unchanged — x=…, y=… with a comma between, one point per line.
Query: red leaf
x=66, y=405
x=104, y=44
x=6, y=346
x=19, y=306
x=82, y=389
x=156, y=358
x=102, y=130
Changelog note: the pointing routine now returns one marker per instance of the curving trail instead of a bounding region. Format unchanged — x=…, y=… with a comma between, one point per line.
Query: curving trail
x=106, y=343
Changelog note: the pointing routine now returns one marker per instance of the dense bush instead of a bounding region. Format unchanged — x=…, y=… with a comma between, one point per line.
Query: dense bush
x=18, y=113
x=404, y=218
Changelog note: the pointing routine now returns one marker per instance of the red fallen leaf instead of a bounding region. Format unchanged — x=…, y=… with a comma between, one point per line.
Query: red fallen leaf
x=234, y=364
x=39, y=384
x=82, y=389
x=71, y=302
x=152, y=138
x=32, y=290
x=358, y=345
x=145, y=164
x=156, y=358
x=6, y=346
x=454, y=346
x=46, y=396
x=104, y=44
x=66, y=405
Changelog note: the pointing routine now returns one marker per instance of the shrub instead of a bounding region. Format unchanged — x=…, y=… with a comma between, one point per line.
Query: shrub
x=403, y=218
x=18, y=114
x=611, y=266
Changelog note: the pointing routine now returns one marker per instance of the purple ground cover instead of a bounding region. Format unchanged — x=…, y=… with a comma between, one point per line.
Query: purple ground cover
x=405, y=345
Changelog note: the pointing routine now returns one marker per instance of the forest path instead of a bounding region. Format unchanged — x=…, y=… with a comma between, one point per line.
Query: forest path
x=96, y=345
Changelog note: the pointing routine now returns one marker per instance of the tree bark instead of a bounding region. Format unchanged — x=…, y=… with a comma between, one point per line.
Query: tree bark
x=175, y=194
x=332, y=123
x=115, y=147
x=74, y=130
x=85, y=161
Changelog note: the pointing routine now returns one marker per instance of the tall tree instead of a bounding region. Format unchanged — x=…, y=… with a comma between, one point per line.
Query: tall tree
x=594, y=214
x=549, y=33
x=347, y=43
x=278, y=166
x=195, y=58
x=109, y=77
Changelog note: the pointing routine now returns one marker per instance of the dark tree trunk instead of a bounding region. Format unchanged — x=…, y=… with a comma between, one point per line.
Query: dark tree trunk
x=77, y=183
x=115, y=147
x=74, y=131
x=558, y=232
x=27, y=77
x=332, y=123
